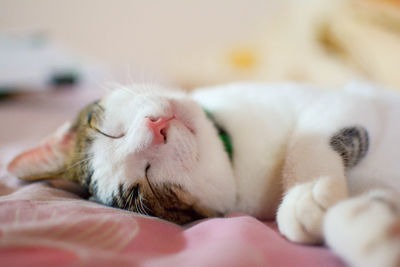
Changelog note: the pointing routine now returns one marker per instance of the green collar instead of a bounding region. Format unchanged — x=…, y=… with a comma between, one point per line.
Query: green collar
x=223, y=135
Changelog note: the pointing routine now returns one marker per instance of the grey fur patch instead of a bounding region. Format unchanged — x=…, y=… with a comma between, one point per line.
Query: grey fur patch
x=351, y=143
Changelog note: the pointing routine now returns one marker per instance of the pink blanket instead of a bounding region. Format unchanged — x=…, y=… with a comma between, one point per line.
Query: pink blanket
x=44, y=226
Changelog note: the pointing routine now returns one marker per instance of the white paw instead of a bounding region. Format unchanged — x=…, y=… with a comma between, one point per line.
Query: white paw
x=301, y=214
x=365, y=231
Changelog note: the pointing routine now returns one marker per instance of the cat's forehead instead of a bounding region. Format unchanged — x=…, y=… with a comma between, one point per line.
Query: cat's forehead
x=124, y=94
x=138, y=97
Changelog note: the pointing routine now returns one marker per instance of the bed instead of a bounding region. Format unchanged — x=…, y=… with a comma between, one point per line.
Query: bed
x=45, y=226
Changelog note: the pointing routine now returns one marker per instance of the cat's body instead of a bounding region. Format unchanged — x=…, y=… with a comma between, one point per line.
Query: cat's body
x=265, y=120
x=297, y=152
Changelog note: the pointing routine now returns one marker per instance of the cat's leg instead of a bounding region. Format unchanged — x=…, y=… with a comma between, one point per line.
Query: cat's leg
x=313, y=181
x=365, y=230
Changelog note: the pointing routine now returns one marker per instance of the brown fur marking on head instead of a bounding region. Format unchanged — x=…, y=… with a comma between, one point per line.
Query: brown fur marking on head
x=169, y=202
x=78, y=167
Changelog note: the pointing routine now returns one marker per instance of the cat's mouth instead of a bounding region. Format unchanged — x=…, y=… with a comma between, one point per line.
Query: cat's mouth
x=185, y=124
x=180, y=125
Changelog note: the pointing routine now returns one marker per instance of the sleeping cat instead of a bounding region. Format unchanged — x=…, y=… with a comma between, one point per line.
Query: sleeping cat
x=324, y=164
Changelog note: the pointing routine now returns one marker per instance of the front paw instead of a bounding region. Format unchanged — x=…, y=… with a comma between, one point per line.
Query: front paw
x=301, y=213
x=365, y=230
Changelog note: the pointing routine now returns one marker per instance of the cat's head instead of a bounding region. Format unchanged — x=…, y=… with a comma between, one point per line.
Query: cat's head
x=141, y=149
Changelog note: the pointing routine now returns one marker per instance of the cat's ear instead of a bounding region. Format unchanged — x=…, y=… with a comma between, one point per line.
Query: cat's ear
x=47, y=160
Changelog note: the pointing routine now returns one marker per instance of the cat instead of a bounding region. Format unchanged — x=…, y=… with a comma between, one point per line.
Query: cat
x=323, y=163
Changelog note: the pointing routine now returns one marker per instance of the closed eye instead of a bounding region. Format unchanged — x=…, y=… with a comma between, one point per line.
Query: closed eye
x=90, y=123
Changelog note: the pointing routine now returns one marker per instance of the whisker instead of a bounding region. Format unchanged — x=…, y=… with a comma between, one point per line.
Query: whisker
x=139, y=209
x=142, y=204
x=131, y=199
x=136, y=205
x=80, y=162
x=84, y=153
x=128, y=201
x=129, y=90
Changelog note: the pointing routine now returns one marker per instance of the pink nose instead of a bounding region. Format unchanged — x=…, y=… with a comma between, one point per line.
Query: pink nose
x=159, y=128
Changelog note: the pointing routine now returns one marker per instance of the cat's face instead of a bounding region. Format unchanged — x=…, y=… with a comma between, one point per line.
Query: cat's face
x=153, y=152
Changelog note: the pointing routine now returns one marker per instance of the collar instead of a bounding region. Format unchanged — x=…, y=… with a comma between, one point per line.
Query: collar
x=223, y=135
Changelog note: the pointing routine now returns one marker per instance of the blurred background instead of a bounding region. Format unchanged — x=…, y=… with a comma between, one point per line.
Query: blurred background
x=81, y=46
x=196, y=43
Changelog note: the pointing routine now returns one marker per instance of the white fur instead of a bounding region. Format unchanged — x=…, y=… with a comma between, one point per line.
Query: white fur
x=196, y=160
x=281, y=137
x=282, y=163
x=358, y=229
